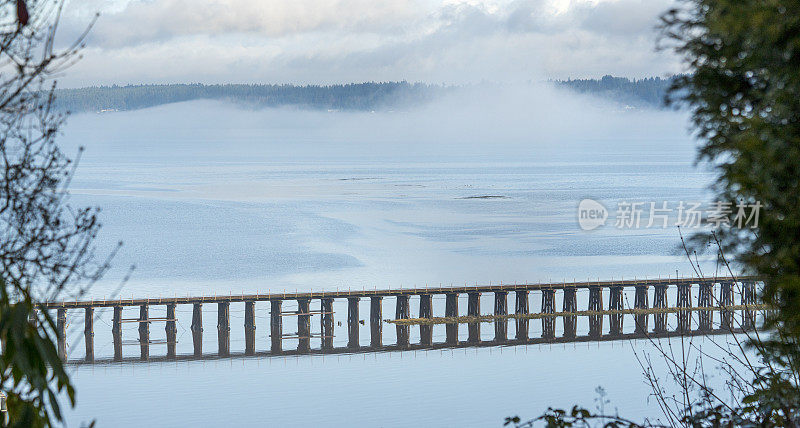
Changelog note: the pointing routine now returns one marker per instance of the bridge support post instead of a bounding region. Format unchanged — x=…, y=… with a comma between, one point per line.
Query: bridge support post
x=640, y=302
x=684, y=301
x=61, y=333
x=116, y=332
x=352, y=322
x=660, y=302
x=426, y=311
x=376, y=321
x=197, y=329
x=327, y=323
x=451, y=311
x=276, y=326
x=749, y=298
x=725, y=302
x=705, y=300
x=303, y=325
x=548, y=307
x=521, y=307
x=402, y=313
x=249, y=327
x=596, y=305
x=474, y=310
x=500, y=309
x=223, y=328
x=570, y=306
x=615, y=304
x=171, y=330
x=88, y=334
x=144, y=331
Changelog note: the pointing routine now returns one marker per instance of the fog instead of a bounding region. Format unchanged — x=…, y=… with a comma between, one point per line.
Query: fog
x=208, y=194
x=214, y=198
x=495, y=121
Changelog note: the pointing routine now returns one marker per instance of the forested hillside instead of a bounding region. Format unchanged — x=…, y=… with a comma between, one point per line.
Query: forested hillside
x=648, y=92
x=355, y=96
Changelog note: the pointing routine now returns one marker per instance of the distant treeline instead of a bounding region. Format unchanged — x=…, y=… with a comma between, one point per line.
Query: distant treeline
x=355, y=96
x=648, y=92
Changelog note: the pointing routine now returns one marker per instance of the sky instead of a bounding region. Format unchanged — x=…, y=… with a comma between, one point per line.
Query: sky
x=339, y=41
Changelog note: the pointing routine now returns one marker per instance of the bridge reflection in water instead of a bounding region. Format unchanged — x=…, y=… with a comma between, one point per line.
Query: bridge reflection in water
x=734, y=300
x=347, y=350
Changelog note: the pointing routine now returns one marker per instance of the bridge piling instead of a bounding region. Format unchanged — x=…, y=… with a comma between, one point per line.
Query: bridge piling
x=684, y=301
x=595, y=304
x=352, y=322
x=171, y=330
x=376, y=321
x=276, y=325
x=402, y=312
x=61, y=332
x=705, y=300
x=548, y=307
x=501, y=308
x=223, y=328
x=327, y=323
x=726, y=301
x=426, y=311
x=303, y=325
x=521, y=307
x=197, y=329
x=640, y=302
x=116, y=332
x=660, y=302
x=615, y=303
x=88, y=334
x=570, y=304
x=249, y=327
x=144, y=332
x=474, y=310
x=451, y=310
x=749, y=298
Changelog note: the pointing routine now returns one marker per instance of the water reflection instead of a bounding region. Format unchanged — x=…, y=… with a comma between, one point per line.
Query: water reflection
x=425, y=343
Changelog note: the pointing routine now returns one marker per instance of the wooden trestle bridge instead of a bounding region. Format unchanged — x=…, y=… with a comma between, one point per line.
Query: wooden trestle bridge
x=733, y=298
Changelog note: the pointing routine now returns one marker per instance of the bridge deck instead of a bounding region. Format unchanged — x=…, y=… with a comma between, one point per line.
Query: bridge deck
x=386, y=292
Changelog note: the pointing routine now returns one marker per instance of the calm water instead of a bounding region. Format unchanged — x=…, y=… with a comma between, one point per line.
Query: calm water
x=211, y=199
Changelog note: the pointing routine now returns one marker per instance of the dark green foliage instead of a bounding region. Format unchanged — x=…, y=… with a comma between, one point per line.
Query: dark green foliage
x=30, y=368
x=743, y=91
x=577, y=417
x=744, y=94
x=46, y=245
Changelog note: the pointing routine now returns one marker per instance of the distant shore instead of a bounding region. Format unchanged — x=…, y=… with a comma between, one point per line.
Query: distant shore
x=370, y=96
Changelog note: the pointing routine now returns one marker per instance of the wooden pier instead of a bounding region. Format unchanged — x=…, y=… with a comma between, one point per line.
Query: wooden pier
x=732, y=298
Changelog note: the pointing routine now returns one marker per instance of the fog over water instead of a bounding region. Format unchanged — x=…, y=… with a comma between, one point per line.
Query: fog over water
x=206, y=194
x=214, y=198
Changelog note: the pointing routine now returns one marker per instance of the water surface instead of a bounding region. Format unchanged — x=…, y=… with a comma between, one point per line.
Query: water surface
x=211, y=199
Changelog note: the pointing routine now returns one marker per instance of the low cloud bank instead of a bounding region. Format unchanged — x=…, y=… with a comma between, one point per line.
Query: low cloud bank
x=480, y=121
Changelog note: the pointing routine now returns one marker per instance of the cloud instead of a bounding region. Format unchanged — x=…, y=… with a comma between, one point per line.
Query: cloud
x=328, y=41
x=626, y=18
x=147, y=21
